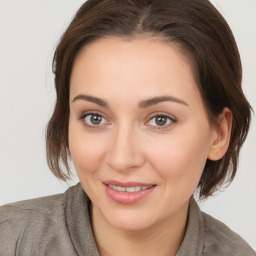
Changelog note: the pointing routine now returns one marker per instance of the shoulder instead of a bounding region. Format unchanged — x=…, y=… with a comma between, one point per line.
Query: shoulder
x=221, y=240
x=24, y=223
x=47, y=207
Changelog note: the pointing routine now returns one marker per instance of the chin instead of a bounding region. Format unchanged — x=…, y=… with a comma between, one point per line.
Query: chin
x=130, y=219
x=132, y=224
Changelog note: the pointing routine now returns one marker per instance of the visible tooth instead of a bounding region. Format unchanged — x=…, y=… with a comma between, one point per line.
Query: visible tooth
x=120, y=189
x=137, y=189
x=130, y=189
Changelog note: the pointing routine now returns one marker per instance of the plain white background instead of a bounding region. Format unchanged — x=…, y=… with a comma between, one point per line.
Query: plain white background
x=29, y=32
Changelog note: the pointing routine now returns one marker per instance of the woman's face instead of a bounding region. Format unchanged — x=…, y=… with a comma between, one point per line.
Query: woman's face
x=139, y=136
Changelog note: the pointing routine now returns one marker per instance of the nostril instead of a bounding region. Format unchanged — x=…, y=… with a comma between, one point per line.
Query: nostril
x=123, y=152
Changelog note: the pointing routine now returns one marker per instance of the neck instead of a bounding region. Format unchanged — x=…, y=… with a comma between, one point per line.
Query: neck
x=161, y=239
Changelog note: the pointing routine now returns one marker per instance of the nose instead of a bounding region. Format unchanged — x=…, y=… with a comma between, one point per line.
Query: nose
x=124, y=150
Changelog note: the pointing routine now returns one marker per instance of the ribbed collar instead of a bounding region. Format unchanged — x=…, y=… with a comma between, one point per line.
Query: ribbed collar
x=77, y=210
x=193, y=241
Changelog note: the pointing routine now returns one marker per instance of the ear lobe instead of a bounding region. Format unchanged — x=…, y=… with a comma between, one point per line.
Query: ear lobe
x=223, y=131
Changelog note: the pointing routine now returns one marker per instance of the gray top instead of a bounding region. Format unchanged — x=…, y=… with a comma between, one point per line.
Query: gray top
x=60, y=225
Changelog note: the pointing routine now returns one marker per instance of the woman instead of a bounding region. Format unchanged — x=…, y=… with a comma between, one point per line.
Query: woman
x=150, y=110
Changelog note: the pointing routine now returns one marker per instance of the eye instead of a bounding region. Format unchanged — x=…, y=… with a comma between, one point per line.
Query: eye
x=93, y=120
x=161, y=121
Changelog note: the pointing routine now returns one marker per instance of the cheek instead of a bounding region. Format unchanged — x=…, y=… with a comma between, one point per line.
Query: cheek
x=86, y=150
x=181, y=157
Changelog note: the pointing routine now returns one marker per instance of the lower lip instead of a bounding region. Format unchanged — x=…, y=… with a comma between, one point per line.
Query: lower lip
x=127, y=198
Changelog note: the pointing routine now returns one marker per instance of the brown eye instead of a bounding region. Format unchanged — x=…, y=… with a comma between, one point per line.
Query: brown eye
x=94, y=120
x=160, y=121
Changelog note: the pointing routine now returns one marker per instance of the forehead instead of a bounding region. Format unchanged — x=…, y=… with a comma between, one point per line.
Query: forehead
x=132, y=68
x=120, y=53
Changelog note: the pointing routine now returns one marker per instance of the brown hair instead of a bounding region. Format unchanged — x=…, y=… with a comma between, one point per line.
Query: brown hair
x=203, y=34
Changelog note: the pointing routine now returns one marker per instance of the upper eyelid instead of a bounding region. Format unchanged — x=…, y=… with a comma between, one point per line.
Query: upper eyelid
x=84, y=114
x=165, y=126
x=172, y=117
x=149, y=117
x=162, y=114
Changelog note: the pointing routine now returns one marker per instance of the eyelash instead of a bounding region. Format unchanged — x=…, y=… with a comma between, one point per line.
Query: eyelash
x=82, y=118
x=163, y=115
x=171, y=119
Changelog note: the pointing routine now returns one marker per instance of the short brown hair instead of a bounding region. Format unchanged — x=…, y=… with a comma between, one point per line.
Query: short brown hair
x=203, y=34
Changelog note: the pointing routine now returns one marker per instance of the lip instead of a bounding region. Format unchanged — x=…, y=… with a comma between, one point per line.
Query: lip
x=127, y=184
x=127, y=198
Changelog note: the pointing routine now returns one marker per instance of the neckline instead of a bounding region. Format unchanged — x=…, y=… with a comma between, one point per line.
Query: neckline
x=77, y=213
x=193, y=241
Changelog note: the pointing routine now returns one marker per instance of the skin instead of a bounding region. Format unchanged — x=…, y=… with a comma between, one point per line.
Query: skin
x=129, y=145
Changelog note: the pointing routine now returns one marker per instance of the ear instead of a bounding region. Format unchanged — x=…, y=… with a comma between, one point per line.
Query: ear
x=221, y=135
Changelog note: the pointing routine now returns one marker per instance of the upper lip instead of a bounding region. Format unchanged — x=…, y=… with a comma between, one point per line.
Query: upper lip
x=127, y=184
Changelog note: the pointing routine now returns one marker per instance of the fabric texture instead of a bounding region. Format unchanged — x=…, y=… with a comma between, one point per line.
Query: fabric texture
x=60, y=225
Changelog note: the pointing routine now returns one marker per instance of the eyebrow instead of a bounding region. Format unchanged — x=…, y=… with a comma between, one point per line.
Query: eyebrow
x=156, y=100
x=143, y=104
x=96, y=100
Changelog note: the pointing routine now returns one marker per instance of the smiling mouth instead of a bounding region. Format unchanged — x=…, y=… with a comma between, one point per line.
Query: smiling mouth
x=129, y=189
x=128, y=193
